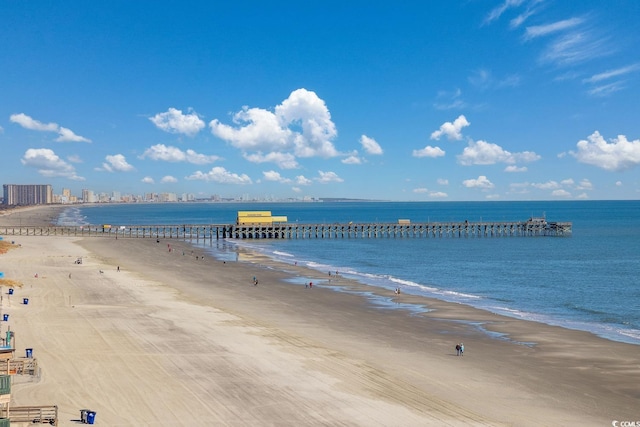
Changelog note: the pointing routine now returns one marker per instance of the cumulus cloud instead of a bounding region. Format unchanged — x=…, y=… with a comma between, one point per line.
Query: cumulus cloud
x=352, y=160
x=65, y=135
x=549, y=185
x=370, y=146
x=560, y=193
x=451, y=130
x=481, y=182
x=442, y=181
x=116, y=163
x=584, y=184
x=438, y=195
x=513, y=168
x=486, y=153
x=168, y=179
x=302, y=180
x=275, y=176
x=300, y=126
x=283, y=160
x=174, y=154
x=49, y=164
x=32, y=124
x=428, y=151
x=220, y=175
x=327, y=177
x=174, y=121
x=420, y=190
x=617, y=155
x=147, y=180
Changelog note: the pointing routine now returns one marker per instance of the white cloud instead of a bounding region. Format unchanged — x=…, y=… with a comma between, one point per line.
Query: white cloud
x=32, y=124
x=618, y=183
x=65, y=135
x=443, y=181
x=296, y=189
x=327, y=177
x=481, y=182
x=168, y=179
x=606, y=90
x=301, y=180
x=560, y=193
x=428, y=151
x=568, y=181
x=486, y=153
x=451, y=130
x=575, y=47
x=173, y=121
x=499, y=10
x=283, y=160
x=174, y=154
x=582, y=196
x=370, y=146
x=513, y=168
x=450, y=100
x=438, y=195
x=49, y=164
x=555, y=27
x=549, y=185
x=585, y=184
x=612, y=73
x=352, y=160
x=147, y=180
x=220, y=175
x=618, y=155
x=420, y=190
x=74, y=158
x=300, y=126
x=116, y=163
x=275, y=176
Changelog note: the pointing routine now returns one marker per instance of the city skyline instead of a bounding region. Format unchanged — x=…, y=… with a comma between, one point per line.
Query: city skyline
x=437, y=101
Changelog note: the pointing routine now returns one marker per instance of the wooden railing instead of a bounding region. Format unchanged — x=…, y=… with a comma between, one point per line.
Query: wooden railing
x=33, y=414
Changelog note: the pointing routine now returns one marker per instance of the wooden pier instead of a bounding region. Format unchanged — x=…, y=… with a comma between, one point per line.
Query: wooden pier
x=529, y=228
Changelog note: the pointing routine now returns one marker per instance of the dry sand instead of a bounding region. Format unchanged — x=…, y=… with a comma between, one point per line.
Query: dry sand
x=176, y=340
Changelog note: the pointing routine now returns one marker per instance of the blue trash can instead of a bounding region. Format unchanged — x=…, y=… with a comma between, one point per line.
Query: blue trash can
x=10, y=291
x=5, y=317
x=91, y=417
x=25, y=301
x=29, y=353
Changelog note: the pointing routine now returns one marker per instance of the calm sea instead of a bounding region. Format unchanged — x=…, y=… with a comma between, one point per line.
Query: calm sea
x=589, y=281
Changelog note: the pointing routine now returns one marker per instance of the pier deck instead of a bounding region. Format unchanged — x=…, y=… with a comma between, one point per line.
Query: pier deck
x=303, y=231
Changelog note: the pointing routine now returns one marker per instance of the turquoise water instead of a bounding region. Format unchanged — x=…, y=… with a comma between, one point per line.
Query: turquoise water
x=589, y=281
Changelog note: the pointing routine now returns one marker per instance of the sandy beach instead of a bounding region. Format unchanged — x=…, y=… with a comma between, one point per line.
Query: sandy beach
x=144, y=335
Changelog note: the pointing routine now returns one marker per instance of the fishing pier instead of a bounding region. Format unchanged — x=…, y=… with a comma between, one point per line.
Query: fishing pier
x=533, y=227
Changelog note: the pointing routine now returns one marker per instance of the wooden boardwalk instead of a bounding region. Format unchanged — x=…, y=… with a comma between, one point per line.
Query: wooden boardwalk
x=529, y=228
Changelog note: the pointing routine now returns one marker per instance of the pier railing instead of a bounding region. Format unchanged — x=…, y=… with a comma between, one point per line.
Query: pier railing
x=303, y=231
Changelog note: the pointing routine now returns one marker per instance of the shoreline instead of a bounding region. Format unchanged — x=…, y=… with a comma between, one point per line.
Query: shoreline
x=42, y=215
x=165, y=311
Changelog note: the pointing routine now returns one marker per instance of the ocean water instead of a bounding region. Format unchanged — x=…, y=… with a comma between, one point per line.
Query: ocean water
x=589, y=281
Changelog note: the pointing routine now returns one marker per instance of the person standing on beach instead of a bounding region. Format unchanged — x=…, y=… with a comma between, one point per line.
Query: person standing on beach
x=461, y=349
x=457, y=349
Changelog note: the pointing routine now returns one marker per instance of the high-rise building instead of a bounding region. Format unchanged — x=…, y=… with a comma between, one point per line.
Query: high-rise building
x=24, y=195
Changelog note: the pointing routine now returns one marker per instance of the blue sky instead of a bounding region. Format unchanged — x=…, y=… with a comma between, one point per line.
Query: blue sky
x=414, y=100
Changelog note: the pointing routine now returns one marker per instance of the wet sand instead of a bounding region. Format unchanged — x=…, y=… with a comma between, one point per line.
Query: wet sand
x=175, y=339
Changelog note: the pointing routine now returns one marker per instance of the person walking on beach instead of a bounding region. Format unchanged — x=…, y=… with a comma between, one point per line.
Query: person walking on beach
x=461, y=349
x=457, y=349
